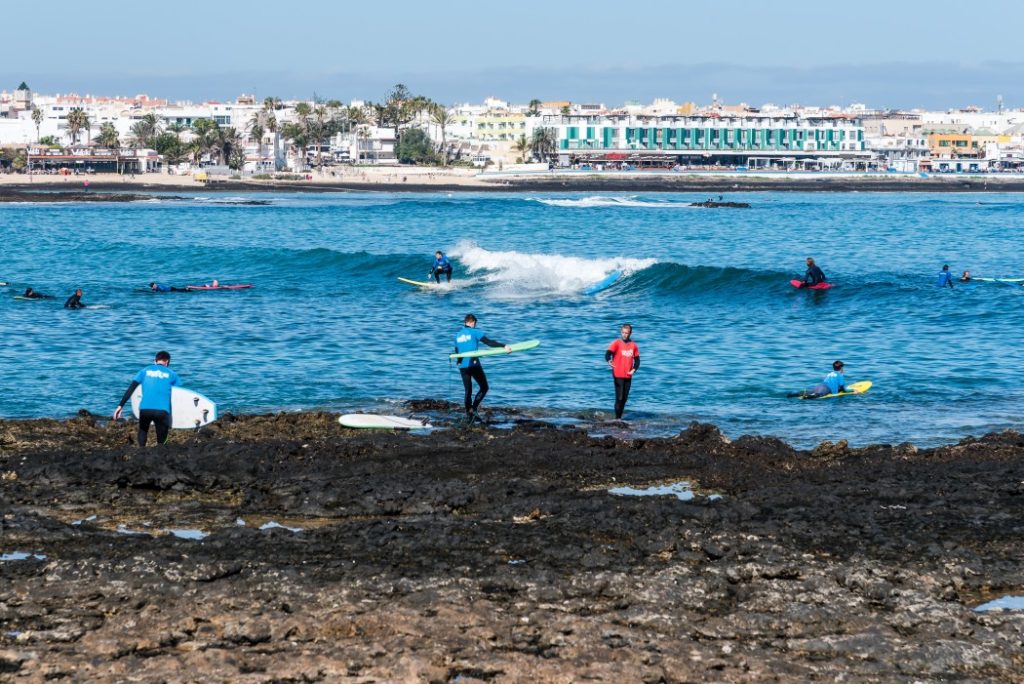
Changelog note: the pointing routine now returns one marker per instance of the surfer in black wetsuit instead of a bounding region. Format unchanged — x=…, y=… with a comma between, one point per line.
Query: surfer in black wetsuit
x=75, y=300
x=814, y=274
x=966, y=277
x=32, y=294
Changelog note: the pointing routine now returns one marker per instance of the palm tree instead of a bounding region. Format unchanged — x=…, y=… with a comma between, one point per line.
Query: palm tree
x=271, y=124
x=77, y=119
x=256, y=132
x=534, y=107
x=37, y=118
x=205, y=138
x=299, y=137
x=443, y=117
x=232, y=148
x=108, y=137
x=522, y=146
x=145, y=130
x=544, y=142
x=177, y=129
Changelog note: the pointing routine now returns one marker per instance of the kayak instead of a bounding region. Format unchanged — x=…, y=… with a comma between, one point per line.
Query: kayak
x=244, y=286
x=800, y=284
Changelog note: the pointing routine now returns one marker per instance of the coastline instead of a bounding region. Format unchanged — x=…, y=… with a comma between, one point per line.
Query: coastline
x=428, y=180
x=501, y=555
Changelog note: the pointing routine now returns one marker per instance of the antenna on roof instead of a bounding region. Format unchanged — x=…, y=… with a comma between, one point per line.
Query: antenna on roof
x=999, y=103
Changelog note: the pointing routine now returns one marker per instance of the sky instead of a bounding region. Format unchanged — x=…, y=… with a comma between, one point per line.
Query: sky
x=895, y=53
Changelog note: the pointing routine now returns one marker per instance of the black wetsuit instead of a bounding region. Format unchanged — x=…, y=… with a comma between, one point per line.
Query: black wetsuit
x=36, y=295
x=814, y=276
x=74, y=302
x=476, y=372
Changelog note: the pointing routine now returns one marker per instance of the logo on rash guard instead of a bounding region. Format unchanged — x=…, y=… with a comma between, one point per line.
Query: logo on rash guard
x=157, y=374
x=463, y=338
x=628, y=353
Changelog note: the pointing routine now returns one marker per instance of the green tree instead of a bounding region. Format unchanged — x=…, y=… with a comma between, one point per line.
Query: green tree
x=415, y=147
x=522, y=146
x=49, y=141
x=205, y=139
x=299, y=137
x=77, y=119
x=37, y=119
x=257, y=130
x=145, y=130
x=108, y=137
x=20, y=160
x=544, y=142
x=534, y=109
x=23, y=86
x=565, y=110
x=399, y=109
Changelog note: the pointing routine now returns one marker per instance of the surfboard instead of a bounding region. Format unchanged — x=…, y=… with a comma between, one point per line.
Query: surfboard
x=996, y=280
x=857, y=387
x=242, y=286
x=418, y=283
x=495, y=351
x=188, y=409
x=604, y=283
x=372, y=421
x=819, y=286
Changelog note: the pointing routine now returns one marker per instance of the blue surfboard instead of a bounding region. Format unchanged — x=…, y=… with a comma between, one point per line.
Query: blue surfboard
x=604, y=284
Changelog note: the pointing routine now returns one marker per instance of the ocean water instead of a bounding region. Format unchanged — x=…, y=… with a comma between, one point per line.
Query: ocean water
x=723, y=336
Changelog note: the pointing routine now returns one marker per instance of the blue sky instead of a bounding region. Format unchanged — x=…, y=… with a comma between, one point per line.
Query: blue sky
x=895, y=53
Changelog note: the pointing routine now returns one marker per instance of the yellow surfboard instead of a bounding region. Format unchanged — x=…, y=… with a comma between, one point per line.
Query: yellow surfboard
x=417, y=283
x=853, y=388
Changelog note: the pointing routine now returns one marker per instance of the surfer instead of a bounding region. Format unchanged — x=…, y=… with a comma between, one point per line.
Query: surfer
x=75, y=300
x=945, y=277
x=966, y=277
x=814, y=274
x=32, y=294
x=160, y=287
x=156, y=380
x=834, y=383
x=441, y=266
x=469, y=339
x=624, y=358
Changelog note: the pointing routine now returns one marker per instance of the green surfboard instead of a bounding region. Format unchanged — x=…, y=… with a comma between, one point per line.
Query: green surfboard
x=495, y=351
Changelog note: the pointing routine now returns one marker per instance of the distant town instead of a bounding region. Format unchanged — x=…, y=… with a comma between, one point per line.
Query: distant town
x=267, y=137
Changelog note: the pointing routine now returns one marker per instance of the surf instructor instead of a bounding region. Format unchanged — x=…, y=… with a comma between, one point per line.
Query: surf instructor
x=814, y=274
x=624, y=358
x=467, y=340
x=156, y=381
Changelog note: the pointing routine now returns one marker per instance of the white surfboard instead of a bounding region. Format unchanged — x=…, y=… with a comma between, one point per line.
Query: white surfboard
x=371, y=421
x=188, y=409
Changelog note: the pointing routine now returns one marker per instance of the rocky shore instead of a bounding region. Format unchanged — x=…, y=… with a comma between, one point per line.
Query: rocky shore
x=285, y=548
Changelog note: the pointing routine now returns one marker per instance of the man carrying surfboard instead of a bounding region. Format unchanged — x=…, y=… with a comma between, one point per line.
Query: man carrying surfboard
x=469, y=339
x=624, y=358
x=814, y=274
x=441, y=266
x=156, y=381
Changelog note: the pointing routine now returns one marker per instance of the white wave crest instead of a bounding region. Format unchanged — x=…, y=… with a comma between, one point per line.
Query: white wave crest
x=519, y=274
x=601, y=201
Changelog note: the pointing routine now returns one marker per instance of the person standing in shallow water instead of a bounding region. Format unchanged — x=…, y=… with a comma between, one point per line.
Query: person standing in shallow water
x=469, y=339
x=156, y=381
x=623, y=355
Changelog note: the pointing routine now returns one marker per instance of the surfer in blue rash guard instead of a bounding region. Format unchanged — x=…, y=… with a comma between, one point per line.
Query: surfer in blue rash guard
x=156, y=380
x=441, y=266
x=834, y=383
x=945, y=277
x=469, y=339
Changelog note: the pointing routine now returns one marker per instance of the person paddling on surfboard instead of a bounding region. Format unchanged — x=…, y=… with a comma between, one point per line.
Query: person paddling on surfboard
x=624, y=358
x=945, y=277
x=75, y=300
x=834, y=383
x=156, y=381
x=441, y=266
x=814, y=274
x=32, y=294
x=467, y=340
x=160, y=287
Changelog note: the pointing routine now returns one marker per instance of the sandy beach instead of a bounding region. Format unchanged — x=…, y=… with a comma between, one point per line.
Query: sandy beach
x=286, y=548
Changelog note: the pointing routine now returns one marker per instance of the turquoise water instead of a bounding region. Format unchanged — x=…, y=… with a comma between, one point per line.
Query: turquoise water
x=723, y=337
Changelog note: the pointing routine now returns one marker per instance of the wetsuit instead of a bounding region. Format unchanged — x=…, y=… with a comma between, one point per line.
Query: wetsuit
x=29, y=294
x=160, y=287
x=74, y=302
x=440, y=266
x=625, y=357
x=156, y=381
x=470, y=339
x=945, y=278
x=834, y=383
x=814, y=276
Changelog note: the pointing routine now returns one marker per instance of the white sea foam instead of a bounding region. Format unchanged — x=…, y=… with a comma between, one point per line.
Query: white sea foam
x=521, y=274
x=602, y=201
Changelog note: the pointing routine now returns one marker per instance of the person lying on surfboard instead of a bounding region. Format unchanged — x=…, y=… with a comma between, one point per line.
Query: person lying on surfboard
x=834, y=383
x=32, y=294
x=160, y=287
x=441, y=266
x=469, y=339
x=814, y=274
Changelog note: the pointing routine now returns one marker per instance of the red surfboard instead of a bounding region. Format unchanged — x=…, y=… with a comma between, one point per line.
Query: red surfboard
x=819, y=286
x=218, y=287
